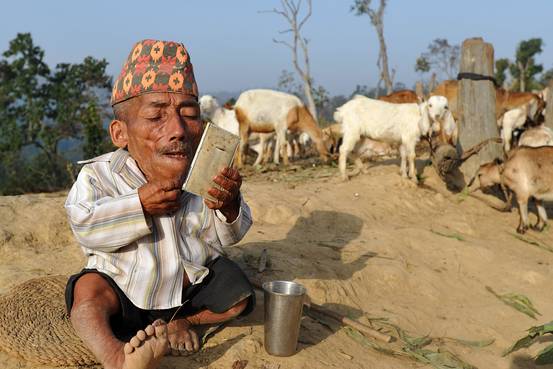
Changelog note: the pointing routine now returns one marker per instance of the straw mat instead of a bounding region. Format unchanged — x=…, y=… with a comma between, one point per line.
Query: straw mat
x=35, y=326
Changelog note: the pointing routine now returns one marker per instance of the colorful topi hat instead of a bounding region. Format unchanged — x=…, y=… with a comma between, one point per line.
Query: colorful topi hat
x=155, y=66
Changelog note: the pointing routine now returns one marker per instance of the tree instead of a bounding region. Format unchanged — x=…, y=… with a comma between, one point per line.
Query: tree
x=288, y=84
x=442, y=57
x=501, y=67
x=546, y=77
x=361, y=7
x=95, y=136
x=422, y=65
x=291, y=12
x=39, y=109
x=524, y=69
x=321, y=97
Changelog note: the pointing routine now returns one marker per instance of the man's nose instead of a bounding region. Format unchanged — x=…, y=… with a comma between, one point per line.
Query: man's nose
x=175, y=127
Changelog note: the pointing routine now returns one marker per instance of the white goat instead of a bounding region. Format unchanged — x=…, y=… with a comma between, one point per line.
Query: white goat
x=536, y=136
x=266, y=111
x=401, y=124
x=516, y=118
x=222, y=117
x=226, y=119
x=508, y=122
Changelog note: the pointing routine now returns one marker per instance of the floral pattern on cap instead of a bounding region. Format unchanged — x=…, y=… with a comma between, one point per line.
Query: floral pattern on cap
x=155, y=66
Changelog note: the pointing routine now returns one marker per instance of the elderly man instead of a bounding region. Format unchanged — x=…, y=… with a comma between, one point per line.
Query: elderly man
x=155, y=264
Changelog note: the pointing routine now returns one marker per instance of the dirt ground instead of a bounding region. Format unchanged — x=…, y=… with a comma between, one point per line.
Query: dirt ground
x=377, y=249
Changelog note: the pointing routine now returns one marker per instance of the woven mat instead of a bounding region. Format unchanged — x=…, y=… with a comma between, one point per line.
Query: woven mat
x=35, y=327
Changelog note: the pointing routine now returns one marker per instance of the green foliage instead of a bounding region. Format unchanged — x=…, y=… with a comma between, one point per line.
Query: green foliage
x=525, y=69
x=545, y=356
x=518, y=302
x=501, y=67
x=39, y=109
x=422, y=65
x=441, y=57
x=417, y=348
x=546, y=77
x=361, y=7
x=454, y=236
x=95, y=142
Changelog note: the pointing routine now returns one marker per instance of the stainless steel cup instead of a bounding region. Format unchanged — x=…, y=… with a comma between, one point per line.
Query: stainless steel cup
x=283, y=308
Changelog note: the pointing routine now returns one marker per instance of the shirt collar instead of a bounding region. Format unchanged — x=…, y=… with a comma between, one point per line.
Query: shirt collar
x=122, y=163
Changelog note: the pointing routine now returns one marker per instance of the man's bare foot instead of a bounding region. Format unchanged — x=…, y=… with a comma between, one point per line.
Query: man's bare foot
x=182, y=338
x=147, y=347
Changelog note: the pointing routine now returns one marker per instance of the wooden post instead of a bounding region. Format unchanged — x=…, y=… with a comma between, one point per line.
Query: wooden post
x=549, y=105
x=476, y=105
x=419, y=89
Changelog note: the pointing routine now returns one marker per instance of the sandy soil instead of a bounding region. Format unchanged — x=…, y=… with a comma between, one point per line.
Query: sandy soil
x=375, y=247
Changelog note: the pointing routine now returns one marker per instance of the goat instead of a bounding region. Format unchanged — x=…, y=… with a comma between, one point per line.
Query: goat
x=536, y=136
x=225, y=118
x=401, y=124
x=528, y=173
x=401, y=97
x=505, y=100
x=266, y=111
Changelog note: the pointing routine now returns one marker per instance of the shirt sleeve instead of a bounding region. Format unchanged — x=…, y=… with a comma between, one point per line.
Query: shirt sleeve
x=100, y=221
x=232, y=233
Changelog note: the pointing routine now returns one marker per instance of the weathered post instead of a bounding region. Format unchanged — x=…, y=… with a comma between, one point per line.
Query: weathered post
x=549, y=105
x=419, y=89
x=476, y=104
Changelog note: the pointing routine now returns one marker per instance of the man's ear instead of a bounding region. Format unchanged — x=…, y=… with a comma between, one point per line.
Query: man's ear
x=118, y=133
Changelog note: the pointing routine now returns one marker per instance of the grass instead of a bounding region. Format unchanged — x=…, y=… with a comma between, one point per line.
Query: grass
x=532, y=242
x=455, y=236
x=545, y=356
x=424, y=349
x=463, y=195
x=517, y=301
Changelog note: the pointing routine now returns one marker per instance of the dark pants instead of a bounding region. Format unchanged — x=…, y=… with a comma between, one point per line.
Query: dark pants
x=225, y=286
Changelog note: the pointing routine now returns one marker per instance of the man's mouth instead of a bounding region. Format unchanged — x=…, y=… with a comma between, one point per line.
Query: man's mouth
x=176, y=155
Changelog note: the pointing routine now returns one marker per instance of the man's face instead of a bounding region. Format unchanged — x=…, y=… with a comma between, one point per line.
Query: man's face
x=163, y=132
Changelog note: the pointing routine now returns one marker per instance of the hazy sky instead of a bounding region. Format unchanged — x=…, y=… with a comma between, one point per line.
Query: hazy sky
x=231, y=46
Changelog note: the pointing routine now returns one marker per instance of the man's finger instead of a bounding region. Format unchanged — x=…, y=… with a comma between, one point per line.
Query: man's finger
x=172, y=195
x=220, y=195
x=188, y=344
x=195, y=341
x=212, y=205
x=228, y=184
x=231, y=173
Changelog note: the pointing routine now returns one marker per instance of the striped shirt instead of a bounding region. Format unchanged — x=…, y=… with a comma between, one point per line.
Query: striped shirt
x=145, y=255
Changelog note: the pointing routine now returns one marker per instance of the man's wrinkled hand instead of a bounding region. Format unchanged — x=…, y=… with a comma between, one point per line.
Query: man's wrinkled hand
x=227, y=196
x=160, y=198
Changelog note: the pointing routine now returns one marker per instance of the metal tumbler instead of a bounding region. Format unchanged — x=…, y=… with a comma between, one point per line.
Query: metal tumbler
x=283, y=309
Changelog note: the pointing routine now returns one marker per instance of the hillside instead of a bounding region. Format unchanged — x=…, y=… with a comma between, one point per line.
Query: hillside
x=377, y=249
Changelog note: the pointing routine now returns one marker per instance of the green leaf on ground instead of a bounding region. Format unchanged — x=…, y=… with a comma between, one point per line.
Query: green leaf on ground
x=455, y=236
x=532, y=242
x=518, y=302
x=545, y=356
x=533, y=334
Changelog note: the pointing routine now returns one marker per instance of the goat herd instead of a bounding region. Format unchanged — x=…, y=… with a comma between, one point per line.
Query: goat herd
x=280, y=124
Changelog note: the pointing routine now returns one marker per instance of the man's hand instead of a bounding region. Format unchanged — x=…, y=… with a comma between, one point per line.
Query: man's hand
x=227, y=199
x=160, y=198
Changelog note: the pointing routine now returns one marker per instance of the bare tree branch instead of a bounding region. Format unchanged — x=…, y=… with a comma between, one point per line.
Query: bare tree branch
x=290, y=11
x=283, y=43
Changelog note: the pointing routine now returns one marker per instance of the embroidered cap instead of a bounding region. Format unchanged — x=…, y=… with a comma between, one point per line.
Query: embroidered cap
x=155, y=66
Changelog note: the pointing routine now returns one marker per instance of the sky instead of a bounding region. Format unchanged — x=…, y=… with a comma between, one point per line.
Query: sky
x=230, y=42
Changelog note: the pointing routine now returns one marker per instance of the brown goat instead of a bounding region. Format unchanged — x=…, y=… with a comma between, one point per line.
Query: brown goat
x=400, y=97
x=504, y=101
